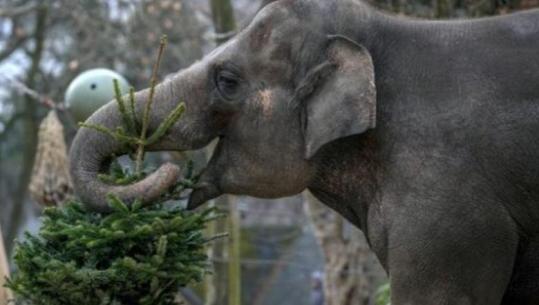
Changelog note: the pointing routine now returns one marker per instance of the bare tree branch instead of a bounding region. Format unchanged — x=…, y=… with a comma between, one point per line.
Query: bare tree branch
x=40, y=98
x=17, y=11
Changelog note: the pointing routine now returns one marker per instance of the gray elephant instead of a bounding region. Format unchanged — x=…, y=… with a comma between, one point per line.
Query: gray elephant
x=424, y=134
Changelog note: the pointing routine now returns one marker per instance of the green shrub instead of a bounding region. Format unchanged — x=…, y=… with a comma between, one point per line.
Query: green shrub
x=383, y=295
x=138, y=255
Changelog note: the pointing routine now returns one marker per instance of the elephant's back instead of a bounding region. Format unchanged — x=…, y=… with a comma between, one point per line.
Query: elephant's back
x=464, y=96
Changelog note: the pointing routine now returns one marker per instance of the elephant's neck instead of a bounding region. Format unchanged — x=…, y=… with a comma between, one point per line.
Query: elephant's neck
x=360, y=22
x=373, y=28
x=347, y=175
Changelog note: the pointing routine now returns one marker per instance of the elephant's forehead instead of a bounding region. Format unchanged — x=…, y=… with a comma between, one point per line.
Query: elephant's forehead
x=269, y=24
x=276, y=48
x=264, y=48
x=221, y=50
x=266, y=29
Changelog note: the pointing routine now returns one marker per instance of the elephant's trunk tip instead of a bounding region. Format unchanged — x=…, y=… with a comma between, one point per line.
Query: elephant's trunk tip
x=147, y=190
x=159, y=181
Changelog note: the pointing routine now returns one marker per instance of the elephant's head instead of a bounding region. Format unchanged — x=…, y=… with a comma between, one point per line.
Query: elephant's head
x=276, y=93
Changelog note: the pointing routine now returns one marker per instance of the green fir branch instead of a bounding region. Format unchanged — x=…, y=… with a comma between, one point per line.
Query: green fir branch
x=126, y=118
x=153, y=84
x=146, y=115
x=132, y=107
x=169, y=121
x=115, y=134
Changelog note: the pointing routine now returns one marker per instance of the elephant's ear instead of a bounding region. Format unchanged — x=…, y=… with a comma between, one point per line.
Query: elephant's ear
x=338, y=97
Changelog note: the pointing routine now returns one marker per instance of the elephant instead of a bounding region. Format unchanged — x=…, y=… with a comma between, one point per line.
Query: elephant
x=424, y=134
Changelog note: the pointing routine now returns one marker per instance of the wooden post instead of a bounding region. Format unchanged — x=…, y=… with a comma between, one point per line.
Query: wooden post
x=234, y=257
x=225, y=23
x=5, y=294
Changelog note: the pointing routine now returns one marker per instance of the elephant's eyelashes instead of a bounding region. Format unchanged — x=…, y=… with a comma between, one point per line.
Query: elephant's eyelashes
x=227, y=83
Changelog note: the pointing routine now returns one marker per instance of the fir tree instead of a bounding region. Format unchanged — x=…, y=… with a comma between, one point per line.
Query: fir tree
x=134, y=255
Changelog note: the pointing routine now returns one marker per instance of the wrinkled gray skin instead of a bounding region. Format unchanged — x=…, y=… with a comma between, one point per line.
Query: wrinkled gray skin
x=424, y=134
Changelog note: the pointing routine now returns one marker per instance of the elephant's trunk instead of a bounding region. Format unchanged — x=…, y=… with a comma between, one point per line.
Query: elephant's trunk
x=92, y=151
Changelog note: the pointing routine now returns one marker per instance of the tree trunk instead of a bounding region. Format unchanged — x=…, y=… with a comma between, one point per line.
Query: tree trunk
x=30, y=128
x=352, y=273
x=223, y=19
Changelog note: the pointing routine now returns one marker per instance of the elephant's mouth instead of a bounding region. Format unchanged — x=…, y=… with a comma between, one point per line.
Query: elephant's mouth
x=208, y=186
x=203, y=192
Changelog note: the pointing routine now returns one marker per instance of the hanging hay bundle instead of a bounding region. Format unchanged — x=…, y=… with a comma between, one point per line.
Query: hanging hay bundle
x=51, y=183
x=5, y=294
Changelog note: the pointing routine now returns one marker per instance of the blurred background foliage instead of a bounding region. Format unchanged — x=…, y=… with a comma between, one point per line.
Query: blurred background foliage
x=285, y=253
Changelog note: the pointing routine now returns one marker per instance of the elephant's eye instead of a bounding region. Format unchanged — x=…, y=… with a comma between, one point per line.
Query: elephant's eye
x=227, y=83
